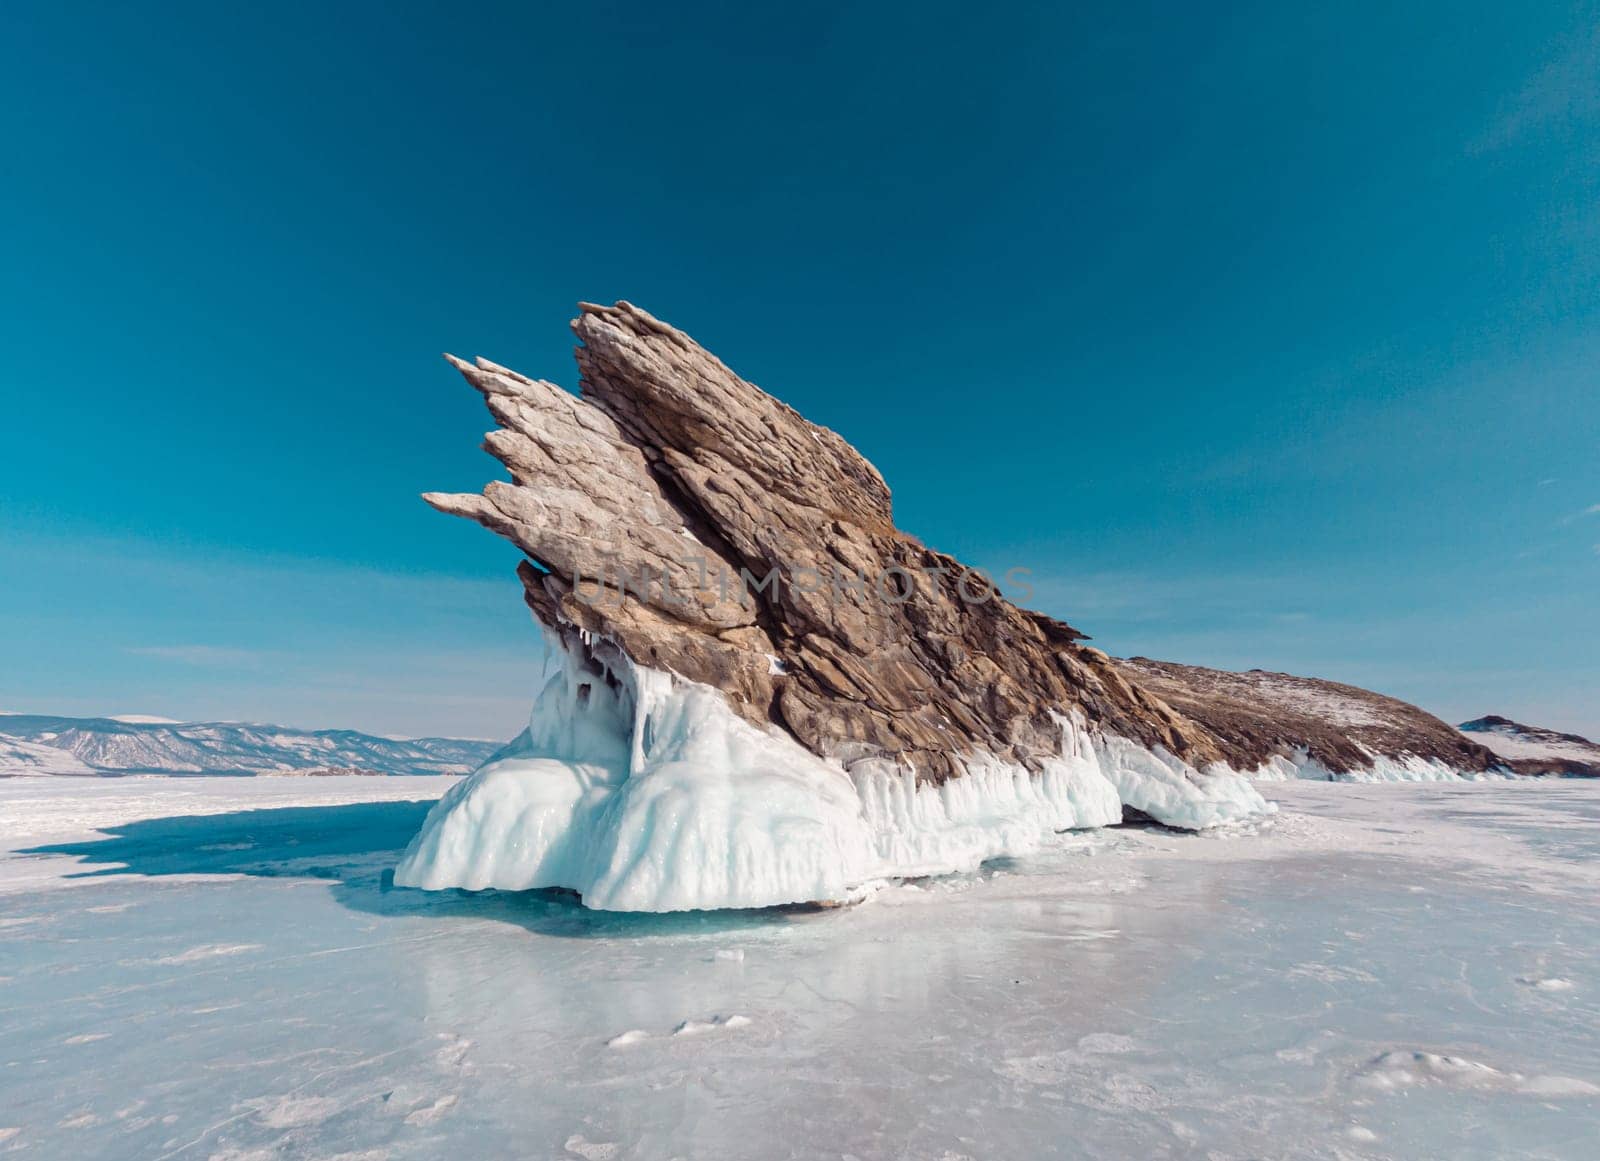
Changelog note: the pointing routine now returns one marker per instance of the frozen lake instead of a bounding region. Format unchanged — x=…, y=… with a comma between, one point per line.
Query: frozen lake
x=217, y=968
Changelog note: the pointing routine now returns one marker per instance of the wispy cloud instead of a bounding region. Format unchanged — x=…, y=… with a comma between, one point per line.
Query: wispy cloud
x=199, y=654
x=1567, y=89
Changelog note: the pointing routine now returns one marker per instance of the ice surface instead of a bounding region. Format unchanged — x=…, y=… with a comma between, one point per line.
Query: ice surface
x=1348, y=981
x=643, y=792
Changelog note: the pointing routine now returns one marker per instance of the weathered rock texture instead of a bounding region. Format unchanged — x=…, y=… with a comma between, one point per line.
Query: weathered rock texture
x=1258, y=714
x=642, y=504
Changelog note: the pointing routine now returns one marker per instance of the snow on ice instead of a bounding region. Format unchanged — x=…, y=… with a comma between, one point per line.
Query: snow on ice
x=218, y=967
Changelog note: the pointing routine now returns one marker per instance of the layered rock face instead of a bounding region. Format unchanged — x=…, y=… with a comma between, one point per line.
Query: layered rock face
x=706, y=529
x=770, y=694
x=1325, y=727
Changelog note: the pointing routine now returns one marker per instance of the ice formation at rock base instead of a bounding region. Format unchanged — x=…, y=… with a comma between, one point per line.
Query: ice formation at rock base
x=645, y=792
x=1379, y=768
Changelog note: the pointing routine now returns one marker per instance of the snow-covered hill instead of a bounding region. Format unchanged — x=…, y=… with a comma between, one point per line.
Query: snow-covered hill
x=1533, y=749
x=21, y=757
x=45, y=744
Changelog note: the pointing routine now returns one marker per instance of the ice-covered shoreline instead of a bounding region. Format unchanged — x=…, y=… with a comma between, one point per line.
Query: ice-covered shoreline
x=644, y=792
x=1379, y=768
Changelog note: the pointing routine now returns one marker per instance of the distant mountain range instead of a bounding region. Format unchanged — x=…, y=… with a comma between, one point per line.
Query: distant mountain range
x=1532, y=749
x=131, y=744
x=138, y=744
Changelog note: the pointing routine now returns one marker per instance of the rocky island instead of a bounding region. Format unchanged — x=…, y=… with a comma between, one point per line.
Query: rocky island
x=768, y=693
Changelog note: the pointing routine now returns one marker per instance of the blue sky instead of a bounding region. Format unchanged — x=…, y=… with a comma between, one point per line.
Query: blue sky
x=1263, y=338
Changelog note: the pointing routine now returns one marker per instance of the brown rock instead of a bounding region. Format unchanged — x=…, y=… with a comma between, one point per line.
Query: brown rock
x=679, y=514
x=1257, y=714
x=742, y=546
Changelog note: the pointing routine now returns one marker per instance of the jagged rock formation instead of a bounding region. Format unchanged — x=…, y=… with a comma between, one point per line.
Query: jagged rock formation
x=672, y=479
x=770, y=694
x=1258, y=716
x=1533, y=749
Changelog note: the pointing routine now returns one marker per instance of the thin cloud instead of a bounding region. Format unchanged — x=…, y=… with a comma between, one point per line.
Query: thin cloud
x=199, y=654
x=1567, y=89
x=1573, y=518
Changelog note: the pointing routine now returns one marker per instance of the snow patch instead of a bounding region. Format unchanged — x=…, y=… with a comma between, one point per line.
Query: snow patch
x=1545, y=984
x=1107, y=1043
x=428, y=1114
x=580, y=1146
x=1405, y=1068
x=1313, y=698
x=210, y=951
x=700, y=1027
x=292, y=1112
